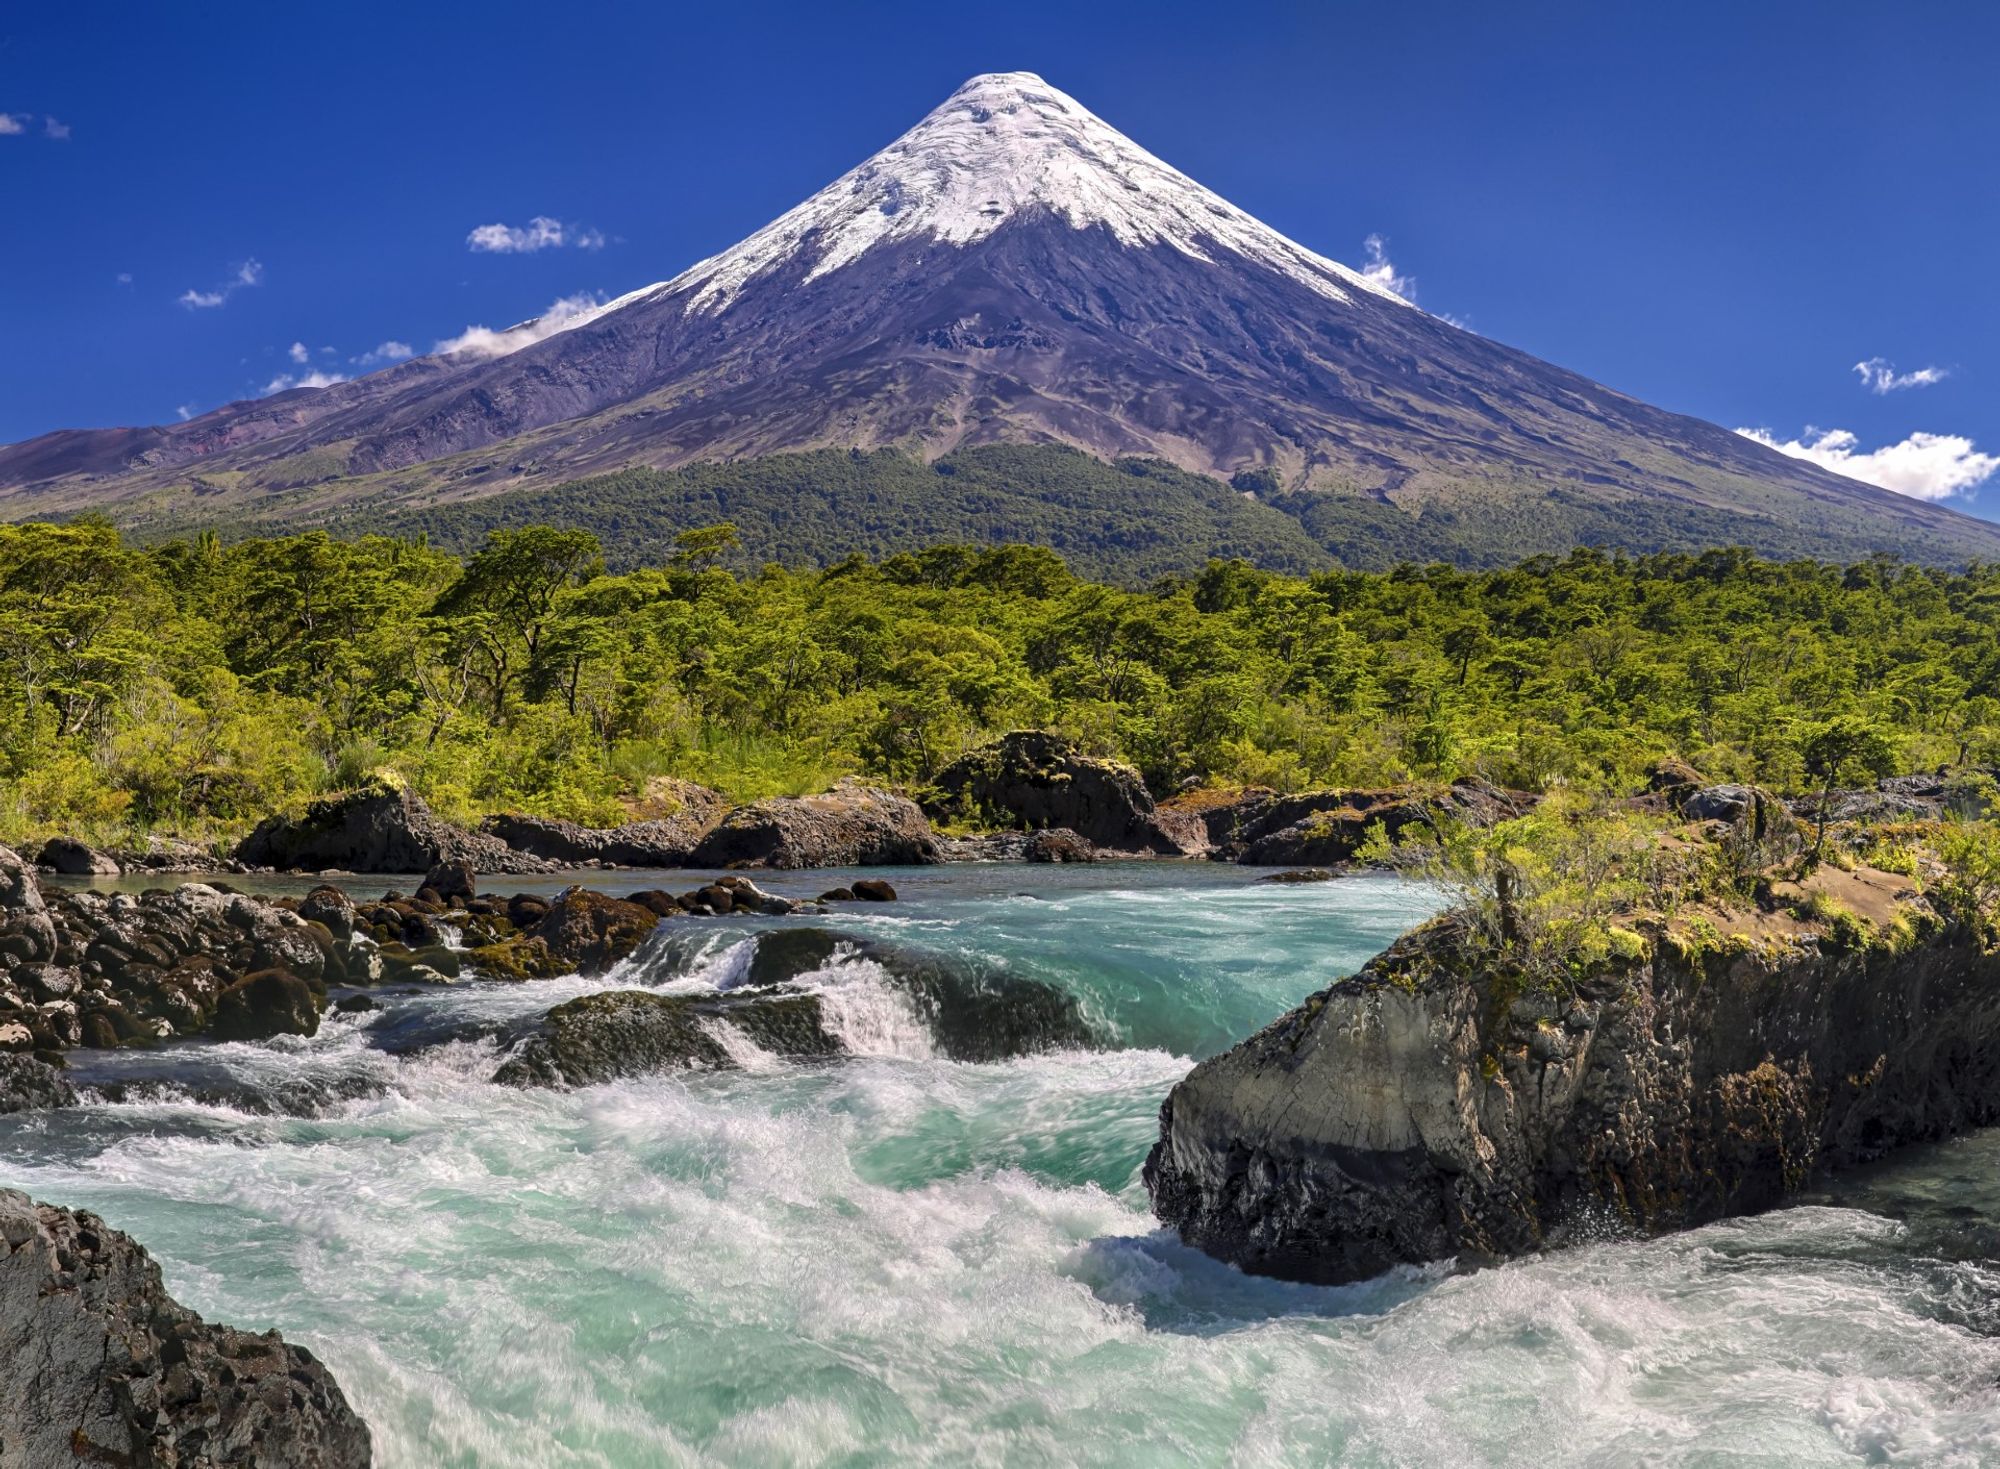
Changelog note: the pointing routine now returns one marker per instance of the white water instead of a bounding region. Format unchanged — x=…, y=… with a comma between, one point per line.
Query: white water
x=901, y=1259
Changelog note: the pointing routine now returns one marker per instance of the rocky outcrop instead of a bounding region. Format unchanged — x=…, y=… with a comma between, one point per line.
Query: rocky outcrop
x=687, y=813
x=376, y=829
x=852, y=825
x=637, y=1033
x=86, y=969
x=1325, y=828
x=1418, y=1111
x=581, y=932
x=99, y=1365
x=29, y=1085
x=1058, y=844
x=1034, y=780
x=72, y=858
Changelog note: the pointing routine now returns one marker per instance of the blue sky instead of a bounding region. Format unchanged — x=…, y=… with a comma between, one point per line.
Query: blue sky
x=1719, y=209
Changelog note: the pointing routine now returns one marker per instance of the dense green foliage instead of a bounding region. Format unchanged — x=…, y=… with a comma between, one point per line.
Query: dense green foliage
x=1127, y=521
x=197, y=685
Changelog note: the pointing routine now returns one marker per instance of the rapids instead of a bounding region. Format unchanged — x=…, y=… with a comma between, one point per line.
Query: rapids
x=904, y=1258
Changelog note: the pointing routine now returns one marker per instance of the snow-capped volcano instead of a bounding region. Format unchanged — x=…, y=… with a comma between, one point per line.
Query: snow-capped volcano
x=1015, y=269
x=1002, y=146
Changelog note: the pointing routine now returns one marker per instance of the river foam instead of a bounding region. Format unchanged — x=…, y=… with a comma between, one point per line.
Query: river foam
x=904, y=1259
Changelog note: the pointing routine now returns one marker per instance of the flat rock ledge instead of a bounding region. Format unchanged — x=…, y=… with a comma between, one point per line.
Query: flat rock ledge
x=99, y=1365
x=1417, y=1112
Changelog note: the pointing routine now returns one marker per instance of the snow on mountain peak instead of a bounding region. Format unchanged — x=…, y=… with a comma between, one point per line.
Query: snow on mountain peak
x=1002, y=144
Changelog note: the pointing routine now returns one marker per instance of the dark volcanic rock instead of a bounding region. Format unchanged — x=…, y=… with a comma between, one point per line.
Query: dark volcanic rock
x=452, y=881
x=636, y=1033
x=72, y=858
x=376, y=829
x=1034, y=780
x=1417, y=1111
x=1058, y=844
x=99, y=1365
x=581, y=932
x=667, y=840
x=1324, y=828
x=265, y=1004
x=852, y=825
x=28, y=1085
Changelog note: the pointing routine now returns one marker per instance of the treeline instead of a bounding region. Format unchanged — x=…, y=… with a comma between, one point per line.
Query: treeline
x=195, y=686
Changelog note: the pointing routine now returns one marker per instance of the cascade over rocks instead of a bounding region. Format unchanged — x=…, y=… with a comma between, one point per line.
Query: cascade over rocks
x=99, y=1365
x=1418, y=1110
x=852, y=825
x=375, y=829
x=637, y=1033
x=1034, y=780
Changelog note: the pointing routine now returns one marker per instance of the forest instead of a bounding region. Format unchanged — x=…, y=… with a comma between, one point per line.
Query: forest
x=193, y=686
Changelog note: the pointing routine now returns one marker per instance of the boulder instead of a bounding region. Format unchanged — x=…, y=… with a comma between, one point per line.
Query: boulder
x=99, y=1365
x=451, y=881
x=375, y=829
x=72, y=858
x=27, y=933
x=852, y=825
x=1302, y=874
x=1324, y=828
x=328, y=906
x=686, y=813
x=1435, y=1105
x=1033, y=780
x=28, y=1085
x=874, y=890
x=259, y=1006
x=581, y=932
x=637, y=1032
x=1058, y=844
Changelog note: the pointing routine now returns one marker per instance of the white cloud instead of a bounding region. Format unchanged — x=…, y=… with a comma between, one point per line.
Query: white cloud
x=124, y=277
x=249, y=273
x=54, y=129
x=540, y=233
x=313, y=379
x=13, y=124
x=1383, y=273
x=1881, y=378
x=481, y=342
x=1923, y=466
x=390, y=351
x=300, y=352
x=186, y=411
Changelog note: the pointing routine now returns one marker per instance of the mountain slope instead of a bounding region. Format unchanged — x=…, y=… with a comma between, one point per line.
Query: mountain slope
x=1011, y=270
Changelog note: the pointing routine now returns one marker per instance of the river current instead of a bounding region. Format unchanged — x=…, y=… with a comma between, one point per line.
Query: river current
x=897, y=1258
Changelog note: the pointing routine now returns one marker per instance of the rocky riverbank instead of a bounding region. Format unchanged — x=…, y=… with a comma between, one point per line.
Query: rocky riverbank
x=99, y=1365
x=1432, y=1106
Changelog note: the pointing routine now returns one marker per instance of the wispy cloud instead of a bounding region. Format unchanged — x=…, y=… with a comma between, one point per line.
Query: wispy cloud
x=20, y=124
x=249, y=273
x=391, y=351
x=124, y=277
x=313, y=379
x=186, y=411
x=480, y=341
x=540, y=233
x=1881, y=378
x=1381, y=271
x=1923, y=466
x=299, y=352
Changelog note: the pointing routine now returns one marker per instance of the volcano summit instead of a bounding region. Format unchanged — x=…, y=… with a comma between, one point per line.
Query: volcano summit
x=1013, y=270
